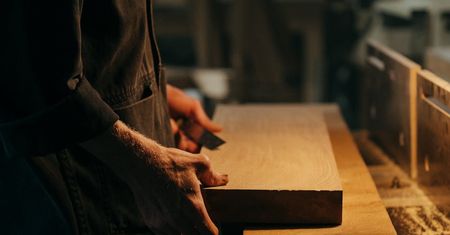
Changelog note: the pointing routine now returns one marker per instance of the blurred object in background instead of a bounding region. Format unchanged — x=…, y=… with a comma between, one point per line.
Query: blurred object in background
x=292, y=50
x=437, y=60
x=274, y=47
x=346, y=24
x=213, y=83
x=278, y=50
x=210, y=86
x=411, y=26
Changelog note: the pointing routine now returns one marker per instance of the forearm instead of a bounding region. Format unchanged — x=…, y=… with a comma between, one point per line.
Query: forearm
x=128, y=153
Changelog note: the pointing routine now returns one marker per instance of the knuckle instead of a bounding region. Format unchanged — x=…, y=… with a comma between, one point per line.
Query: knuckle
x=204, y=160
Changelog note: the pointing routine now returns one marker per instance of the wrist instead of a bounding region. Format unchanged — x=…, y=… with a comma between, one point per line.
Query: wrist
x=145, y=148
x=128, y=153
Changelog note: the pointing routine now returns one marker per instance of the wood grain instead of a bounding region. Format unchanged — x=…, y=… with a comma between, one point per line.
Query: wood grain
x=433, y=104
x=391, y=110
x=363, y=211
x=280, y=164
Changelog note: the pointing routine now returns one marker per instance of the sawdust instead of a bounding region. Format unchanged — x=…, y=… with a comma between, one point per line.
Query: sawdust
x=419, y=220
x=409, y=205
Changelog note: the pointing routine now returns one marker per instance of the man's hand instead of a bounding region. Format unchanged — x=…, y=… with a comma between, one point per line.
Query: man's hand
x=181, y=207
x=183, y=106
x=165, y=181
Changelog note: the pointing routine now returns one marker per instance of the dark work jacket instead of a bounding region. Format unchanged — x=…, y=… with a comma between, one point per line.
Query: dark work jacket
x=69, y=70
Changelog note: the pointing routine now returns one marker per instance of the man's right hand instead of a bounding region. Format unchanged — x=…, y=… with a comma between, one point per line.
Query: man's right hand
x=165, y=181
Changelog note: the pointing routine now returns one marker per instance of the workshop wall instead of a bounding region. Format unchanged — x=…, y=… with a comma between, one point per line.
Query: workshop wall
x=289, y=51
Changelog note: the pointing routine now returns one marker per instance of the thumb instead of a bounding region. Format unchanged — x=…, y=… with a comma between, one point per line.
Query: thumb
x=174, y=126
x=201, y=118
x=206, y=175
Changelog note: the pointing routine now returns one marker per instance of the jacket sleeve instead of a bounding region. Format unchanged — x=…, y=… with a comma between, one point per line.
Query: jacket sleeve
x=46, y=103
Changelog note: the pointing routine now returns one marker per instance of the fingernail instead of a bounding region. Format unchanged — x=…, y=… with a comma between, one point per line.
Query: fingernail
x=225, y=178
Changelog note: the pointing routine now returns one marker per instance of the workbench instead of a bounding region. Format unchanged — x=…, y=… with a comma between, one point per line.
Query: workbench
x=363, y=211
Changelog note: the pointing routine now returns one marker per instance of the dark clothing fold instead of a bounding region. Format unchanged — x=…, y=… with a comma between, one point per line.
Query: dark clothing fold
x=70, y=69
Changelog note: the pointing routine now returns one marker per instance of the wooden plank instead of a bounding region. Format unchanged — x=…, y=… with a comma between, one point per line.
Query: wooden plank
x=437, y=60
x=391, y=112
x=280, y=165
x=433, y=104
x=363, y=211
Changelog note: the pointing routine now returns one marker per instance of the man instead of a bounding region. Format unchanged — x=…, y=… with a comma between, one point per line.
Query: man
x=84, y=125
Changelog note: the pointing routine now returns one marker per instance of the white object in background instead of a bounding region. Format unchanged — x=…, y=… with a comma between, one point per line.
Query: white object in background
x=212, y=82
x=194, y=93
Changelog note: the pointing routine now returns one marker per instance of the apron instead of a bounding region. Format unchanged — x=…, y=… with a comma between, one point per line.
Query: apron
x=71, y=191
x=92, y=197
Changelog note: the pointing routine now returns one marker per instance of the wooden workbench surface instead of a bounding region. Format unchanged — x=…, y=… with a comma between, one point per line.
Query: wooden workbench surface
x=363, y=211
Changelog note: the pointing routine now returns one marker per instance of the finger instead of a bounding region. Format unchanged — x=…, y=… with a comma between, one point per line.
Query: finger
x=186, y=144
x=210, y=178
x=182, y=142
x=201, y=118
x=177, y=138
x=192, y=147
x=198, y=215
x=174, y=126
x=206, y=175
